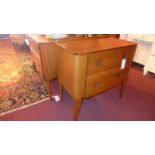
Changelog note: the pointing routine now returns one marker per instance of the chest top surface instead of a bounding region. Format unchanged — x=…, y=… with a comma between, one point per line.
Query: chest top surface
x=81, y=47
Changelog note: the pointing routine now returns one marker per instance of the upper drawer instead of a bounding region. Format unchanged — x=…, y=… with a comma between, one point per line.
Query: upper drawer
x=102, y=61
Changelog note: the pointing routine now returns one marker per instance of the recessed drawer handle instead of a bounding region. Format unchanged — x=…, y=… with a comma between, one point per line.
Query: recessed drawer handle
x=99, y=62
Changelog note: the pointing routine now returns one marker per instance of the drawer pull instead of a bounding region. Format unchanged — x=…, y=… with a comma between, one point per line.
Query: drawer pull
x=99, y=62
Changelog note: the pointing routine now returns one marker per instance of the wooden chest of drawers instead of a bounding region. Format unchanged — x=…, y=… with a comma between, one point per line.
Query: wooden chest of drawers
x=44, y=55
x=89, y=67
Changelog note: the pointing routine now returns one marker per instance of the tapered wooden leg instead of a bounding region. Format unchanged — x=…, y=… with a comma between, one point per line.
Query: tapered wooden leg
x=49, y=88
x=123, y=84
x=60, y=90
x=77, y=106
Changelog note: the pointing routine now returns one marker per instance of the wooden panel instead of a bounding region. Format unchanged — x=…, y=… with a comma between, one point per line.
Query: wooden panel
x=105, y=80
x=72, y=72
x=48, y=57
x=102, y=61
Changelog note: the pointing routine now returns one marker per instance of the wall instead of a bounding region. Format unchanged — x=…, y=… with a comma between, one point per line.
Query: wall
x=146, y=44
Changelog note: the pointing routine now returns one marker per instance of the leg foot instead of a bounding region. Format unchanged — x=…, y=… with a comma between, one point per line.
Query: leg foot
x=122, y=88
x=77, y=106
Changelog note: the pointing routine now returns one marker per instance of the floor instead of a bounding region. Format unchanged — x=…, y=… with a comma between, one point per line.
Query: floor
x=137, y=104
x=20, y=83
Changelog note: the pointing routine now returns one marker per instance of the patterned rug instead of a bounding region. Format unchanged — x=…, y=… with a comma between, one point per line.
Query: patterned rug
x=20, y=84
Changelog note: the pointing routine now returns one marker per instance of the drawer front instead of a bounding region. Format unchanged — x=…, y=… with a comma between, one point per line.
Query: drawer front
x=105, y=80
x=103, y=61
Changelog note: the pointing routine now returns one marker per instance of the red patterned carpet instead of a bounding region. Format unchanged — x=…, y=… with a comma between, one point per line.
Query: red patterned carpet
x=20, y=84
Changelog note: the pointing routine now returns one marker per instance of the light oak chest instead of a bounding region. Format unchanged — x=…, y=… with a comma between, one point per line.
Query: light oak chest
x=43, y=52
x=89, y=67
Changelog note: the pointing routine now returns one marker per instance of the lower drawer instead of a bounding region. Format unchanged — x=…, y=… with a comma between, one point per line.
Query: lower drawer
x=103, y=81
